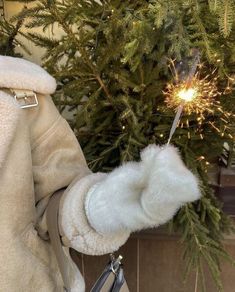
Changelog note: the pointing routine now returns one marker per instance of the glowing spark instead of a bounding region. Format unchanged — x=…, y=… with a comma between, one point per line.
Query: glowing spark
x=187, y=123
x=225, y=121
x=198, y=97
x=213, y=126
x=187, y=94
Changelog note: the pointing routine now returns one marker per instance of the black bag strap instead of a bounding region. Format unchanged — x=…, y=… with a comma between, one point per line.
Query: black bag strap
x=120, y=279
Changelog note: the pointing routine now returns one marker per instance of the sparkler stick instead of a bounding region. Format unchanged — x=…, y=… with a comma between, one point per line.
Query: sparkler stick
x=175, y=122
x=185, y=94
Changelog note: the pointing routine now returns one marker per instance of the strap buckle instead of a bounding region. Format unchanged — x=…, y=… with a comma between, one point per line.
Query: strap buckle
x=25, y=98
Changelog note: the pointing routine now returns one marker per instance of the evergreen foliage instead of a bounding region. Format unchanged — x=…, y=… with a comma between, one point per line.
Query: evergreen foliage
x=8, y=37
x=111, y=63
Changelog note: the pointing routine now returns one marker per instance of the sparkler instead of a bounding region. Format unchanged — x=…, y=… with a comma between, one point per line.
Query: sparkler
x=198, y=95
x=192, y=95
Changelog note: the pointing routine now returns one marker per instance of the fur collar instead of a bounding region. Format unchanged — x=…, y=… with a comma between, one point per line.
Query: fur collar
x=18, y=74
x=21, y=74
x=9, y=115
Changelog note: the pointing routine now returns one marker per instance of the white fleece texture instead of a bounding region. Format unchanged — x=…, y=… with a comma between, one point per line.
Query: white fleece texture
x=74, y=227
x=141, y=195
x=21, y=74
x=9, y=115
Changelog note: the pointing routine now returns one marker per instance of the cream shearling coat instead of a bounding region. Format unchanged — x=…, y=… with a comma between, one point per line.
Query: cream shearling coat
x=39, y=155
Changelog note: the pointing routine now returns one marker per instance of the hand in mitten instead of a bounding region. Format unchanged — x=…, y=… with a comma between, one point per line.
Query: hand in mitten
x=141, y=194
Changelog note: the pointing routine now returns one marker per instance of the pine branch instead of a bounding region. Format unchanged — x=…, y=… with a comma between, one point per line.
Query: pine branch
x=226, y=16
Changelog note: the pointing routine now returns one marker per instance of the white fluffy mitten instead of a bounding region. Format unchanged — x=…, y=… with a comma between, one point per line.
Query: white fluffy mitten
x=141, y=194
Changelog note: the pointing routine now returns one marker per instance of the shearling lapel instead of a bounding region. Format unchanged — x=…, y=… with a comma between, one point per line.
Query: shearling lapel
x=18, y=73
x=21, y=74
x=9, y=115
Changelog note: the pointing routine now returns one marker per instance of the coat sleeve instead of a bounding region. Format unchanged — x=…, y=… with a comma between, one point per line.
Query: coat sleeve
x=58, y=162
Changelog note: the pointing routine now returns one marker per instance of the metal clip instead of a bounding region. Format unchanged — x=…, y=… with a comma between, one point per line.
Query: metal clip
x=29, y=98
x=115, y=263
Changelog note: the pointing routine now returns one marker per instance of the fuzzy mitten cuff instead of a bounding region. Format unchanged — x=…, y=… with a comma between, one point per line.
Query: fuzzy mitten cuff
x=76, y=230
x=141, y=195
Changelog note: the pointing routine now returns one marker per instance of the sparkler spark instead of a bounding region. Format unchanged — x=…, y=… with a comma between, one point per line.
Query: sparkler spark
x=197, y=94
x=187, y=94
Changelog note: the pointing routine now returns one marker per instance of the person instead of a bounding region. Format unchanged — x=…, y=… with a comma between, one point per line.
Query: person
x=39, y=154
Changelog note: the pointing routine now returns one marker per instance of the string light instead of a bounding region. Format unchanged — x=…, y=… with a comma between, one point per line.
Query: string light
x=201, y=158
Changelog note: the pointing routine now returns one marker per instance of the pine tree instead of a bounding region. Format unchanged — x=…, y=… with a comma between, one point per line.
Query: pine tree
x=9, y=33
x=111, y=63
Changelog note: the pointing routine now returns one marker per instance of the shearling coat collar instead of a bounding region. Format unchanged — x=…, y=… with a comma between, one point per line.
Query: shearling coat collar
x=18, y=74
x=21, y=74
x=9, y=115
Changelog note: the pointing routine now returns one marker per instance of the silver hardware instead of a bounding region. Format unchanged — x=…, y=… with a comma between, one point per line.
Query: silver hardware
x=115, y=263
x=29, y=99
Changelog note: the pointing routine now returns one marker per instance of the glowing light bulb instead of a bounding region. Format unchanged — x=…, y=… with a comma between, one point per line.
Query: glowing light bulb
x=187, y=94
